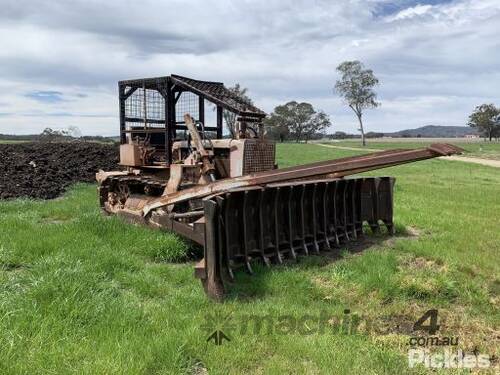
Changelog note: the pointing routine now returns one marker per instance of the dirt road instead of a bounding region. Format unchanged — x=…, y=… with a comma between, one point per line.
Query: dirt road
x=488, y=162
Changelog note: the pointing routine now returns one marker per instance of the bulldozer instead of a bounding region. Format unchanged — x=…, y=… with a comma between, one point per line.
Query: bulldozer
x=224, y=190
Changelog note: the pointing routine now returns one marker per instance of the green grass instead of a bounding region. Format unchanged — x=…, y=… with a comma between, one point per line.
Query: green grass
x=482, y=149
x=11, y=141
x=84, y=293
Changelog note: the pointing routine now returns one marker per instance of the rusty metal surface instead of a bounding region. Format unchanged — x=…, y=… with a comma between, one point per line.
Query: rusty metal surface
x=150, y=109
x=339, y=168
x=208, y=167
x=274, y=223
x=217, y=93
x=266, y=216
x=258, y=156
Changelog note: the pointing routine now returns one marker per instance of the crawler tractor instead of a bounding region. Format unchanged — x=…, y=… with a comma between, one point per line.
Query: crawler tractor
x=225, y=192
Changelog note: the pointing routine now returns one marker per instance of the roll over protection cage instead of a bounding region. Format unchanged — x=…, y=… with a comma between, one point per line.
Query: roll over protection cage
x=154, y=108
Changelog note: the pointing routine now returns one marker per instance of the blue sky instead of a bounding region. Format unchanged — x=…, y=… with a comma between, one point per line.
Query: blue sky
x=436, y=60
x=386, y=8
x=46, y=96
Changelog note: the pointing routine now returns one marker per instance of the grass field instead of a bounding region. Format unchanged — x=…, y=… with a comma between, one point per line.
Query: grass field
x=475, y=148
x=11, y=141
x=83, y=293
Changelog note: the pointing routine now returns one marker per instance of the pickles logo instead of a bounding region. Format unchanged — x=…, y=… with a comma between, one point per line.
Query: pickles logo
x=217, y=325
x=433, y=351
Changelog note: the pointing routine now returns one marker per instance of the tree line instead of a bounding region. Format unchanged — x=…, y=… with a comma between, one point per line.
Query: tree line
x=300, y=121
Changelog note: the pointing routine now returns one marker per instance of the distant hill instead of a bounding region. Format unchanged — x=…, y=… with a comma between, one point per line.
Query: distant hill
x=434, y=131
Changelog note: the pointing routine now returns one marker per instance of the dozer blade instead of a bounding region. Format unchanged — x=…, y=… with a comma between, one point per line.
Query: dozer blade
x=284, y=221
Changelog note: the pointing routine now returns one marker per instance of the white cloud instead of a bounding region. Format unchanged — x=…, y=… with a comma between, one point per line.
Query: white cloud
x=435, y=62
x=415, y=11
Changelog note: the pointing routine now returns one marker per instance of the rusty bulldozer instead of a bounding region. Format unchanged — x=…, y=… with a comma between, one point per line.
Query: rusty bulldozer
x=227, y=194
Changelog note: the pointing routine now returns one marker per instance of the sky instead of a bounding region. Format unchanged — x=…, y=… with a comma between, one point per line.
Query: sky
x=60, y=60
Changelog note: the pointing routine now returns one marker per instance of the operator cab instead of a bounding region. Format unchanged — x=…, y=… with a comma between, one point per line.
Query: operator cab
x=154, y=135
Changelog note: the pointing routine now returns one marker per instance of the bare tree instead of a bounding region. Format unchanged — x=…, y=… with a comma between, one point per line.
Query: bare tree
x=356, y=87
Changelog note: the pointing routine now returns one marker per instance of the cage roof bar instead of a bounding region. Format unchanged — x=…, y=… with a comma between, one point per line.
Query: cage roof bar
x=214, y=92
x=218, y=94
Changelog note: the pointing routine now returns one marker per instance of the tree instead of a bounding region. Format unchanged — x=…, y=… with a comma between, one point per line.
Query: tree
x=74, y=131
x=374, y=135
x=356, y=87
x=313, y=128
x=486, y=119
x=339, y=135
x=50, y=135
x=275, y=130
x=230, y=117
x=299, y=120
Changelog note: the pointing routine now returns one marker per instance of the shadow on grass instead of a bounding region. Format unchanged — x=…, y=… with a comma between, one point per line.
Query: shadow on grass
x=255, y=286
x=10, y=266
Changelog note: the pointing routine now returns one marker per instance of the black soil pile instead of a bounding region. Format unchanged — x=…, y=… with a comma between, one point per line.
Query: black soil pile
x=45, y=170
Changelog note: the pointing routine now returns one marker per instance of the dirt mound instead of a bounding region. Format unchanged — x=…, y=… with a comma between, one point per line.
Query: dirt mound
x=45, y=170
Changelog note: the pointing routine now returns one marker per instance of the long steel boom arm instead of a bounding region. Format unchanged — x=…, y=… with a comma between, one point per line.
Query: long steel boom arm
x=333, y=168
